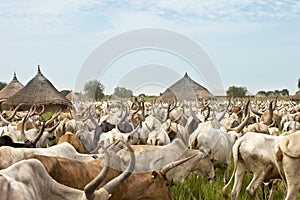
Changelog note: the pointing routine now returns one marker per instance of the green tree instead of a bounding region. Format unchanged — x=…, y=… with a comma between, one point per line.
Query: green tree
x=122, y=92
x=299, y=84
x=65, y=92
x=234, y=91
x=285, y=92
x=2, y=85
x=94, y=90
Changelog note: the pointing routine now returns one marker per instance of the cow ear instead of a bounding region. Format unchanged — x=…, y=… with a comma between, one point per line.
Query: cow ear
x=154, y=174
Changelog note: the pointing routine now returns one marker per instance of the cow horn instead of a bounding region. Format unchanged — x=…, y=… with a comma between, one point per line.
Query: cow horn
x=245, y=122
x=208, y=113
x=255, y=111
x=40, y=133
x=174, y=164
x=52, y=118
x=43, y=109
x=53, y=127
x=22, y=127
x=14, y=112
x=90, y=188
x=116, y=182
x=4, y=120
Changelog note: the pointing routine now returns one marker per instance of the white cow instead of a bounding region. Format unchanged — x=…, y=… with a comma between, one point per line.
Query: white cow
x=214, y=137
x=149, y=157
x=287, y=154
x=10, y=155
x=254, y=153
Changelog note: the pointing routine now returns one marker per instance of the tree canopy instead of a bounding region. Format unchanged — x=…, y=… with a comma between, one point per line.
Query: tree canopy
x=299, y=84
x=284, y=92
x=234, y=91
x=94, y=90
x=2, y=85
x=123, y=92
x=65, y=92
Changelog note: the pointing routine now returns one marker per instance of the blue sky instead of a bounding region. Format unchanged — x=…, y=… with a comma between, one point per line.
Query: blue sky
x=253, y=44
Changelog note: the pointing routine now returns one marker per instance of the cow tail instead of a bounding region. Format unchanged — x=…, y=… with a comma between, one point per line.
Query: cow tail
x=235, y=154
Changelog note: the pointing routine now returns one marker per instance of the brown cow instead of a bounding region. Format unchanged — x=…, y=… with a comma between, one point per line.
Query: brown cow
x=74, y=141
x=144, y=185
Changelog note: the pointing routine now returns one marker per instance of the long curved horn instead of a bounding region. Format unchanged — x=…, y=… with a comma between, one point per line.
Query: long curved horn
x=269, y=117
x=53, y=127
x=4, y=120
x=40, y=133
x=14, y=112
x=174, y=164
x=32, y=110
x=170, y=109
x=116, y=182
x=245, y=122
x=178, y=117
x=41, y=112
x=208, y=113
x=255, y=111
x=90, y=188
x=22, y=127
x=52, y=118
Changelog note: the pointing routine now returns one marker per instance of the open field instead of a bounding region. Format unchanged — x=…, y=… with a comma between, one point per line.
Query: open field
x=200, y=189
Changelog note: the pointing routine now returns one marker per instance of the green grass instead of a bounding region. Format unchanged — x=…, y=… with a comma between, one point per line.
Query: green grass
x=198, y=188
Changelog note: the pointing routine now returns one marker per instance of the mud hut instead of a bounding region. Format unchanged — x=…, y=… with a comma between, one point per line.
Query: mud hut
x=296, y=97
x=11, y=88
x=39, y=91
x=185, y=89
x=72, y=97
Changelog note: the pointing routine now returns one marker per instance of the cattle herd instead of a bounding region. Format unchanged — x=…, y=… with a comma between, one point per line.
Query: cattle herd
x=123, y=149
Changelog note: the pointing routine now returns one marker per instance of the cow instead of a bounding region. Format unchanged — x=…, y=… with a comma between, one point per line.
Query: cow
x=144, y=185
x=6, y=140
x=214, y=136
x=28, y=179
x=288, y=161
x=149, y=157
x=30, y=138
x=10, y=155
x=254, y=153
x=74, y=140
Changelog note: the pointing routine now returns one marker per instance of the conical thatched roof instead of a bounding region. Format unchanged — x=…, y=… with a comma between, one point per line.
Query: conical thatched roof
x=185, y=89
x=260, y=95
x=10, y=89
x=38, y=91
x=296, y=96
x=72, y=96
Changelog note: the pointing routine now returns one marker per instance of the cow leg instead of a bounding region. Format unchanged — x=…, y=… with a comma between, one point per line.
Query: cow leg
x=254, y=184
x=238, y=180
x=226, y=173
x=292, y=175
x=275, y=185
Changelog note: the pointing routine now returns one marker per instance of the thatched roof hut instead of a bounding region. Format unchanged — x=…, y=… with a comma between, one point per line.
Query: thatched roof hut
x=10, y=89
x=296, y=97
x=72, y=96
x=260, y=95
x=39, y=91
x=185, y=89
